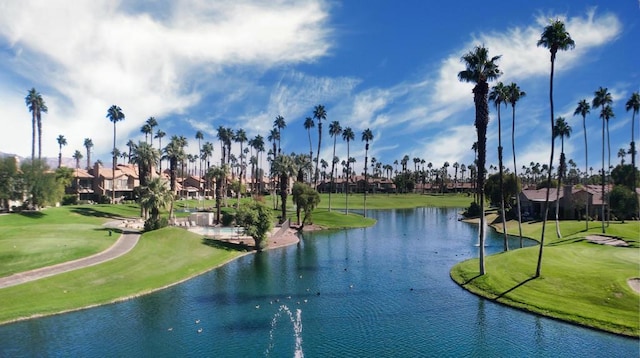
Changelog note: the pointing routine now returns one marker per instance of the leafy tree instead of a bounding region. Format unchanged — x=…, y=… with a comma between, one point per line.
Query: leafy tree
x=257, y=221
x=623, y=175
x=40, y=184
x=479, y=70
x=583, y=109
x=511, y=188
x=305, y=198
x=9, y=182
x=554, y=37
x=115, y=115
x=623, y=202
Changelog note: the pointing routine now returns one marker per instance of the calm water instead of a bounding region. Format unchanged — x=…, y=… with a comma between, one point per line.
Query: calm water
x=383, y=291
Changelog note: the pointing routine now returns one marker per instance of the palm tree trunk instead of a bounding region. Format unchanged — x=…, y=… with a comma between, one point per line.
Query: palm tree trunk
x=113, y=167
x=33, y=135
x=39, y=120
x=586, y=166
x=602, y=180
x=315, y=181
x=608, y=169
x=500, y=171
x=515, y=172
x=546, y=202
x=482, y=120
x=560, y=173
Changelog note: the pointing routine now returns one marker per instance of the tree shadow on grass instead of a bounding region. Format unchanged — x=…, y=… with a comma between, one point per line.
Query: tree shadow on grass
x=93, y=213
x=32, y=214
x=514, y=288
x=225, y=245
x=566, y=241
x=470, y=280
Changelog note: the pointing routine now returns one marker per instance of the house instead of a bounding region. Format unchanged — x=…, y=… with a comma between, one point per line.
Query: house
x=573, y=201
x=82, y=185
x=126, y=178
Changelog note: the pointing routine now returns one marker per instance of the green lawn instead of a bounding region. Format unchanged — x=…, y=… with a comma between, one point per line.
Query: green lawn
x=161, y=258
x=581, y=282
x=36, y=239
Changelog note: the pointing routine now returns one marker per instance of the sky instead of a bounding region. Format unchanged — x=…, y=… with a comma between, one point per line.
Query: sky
x=390, y=66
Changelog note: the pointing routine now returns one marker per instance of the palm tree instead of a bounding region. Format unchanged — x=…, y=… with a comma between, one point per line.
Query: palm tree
x=200, y=137
x=514, y=94
x=62, y=141
x=308, y=124
x=284, y=167
x=554, y=37
x=147, y=130
x=146, y=157
x=77, y=155
x=240, y=137
x=480, y=69
x=583, y=109
x=35, y=104
x=173, y=152
x=258, y=145
x=320, y=114
x=602, y=98
x=498, y=96
x=562, y=130
x=115, y=115
x=633, y=104
x=348, y=136
x=220, y=176
x=152, y=122
x=367, y=136
x=88, y=144
x=334, y=131
x=155, y=196
x=605, y=115
x=279, y=123
x=159, y=135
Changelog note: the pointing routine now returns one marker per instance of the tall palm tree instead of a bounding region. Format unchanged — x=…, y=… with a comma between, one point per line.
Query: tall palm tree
x=514, y=94
x=498, y=95
x=480, y=69
x=88, y=144
x=633, y=104
x=200, y=137
x=561, y=129
x=159, y=135
x=115, y=115
x=77, y=155
x=319, y=114
x=366, y=137
x=152, y=122
x=147, y=131
x=279, y=123
x=605, y=115
x=173, y=152
x=554, y=37
x=348, y=136
x=205, y=153
x=62, y=141
x=334, y=131
x=258, y=145
x=583, y=109
x=240, y=137
x=602, y=98
x=36, y=105
x=308, y=124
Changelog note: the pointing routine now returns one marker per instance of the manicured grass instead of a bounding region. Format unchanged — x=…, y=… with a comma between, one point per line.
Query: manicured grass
x=161, y=258
x=581, y=282
x=36, y=239
x=395, y=201
x=339, y=220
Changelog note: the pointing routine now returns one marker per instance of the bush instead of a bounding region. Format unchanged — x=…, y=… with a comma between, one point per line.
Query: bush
x=151, y=224
x=227, y=218
x=70, y=199
x=472, y=211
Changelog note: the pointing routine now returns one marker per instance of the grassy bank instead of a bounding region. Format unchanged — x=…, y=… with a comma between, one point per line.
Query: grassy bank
x=161, y=258
x=31, y=240
x=581, y=282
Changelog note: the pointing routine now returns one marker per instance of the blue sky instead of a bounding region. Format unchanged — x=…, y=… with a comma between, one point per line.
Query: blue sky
x=390, y=66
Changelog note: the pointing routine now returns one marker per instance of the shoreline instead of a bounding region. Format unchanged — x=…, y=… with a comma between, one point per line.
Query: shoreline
x=287, y=238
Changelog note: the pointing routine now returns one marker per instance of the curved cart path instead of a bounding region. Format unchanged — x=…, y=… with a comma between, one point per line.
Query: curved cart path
x=124, y=244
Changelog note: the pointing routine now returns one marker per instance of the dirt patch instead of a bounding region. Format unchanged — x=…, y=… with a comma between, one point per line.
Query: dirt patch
x=606, y=240
x=289, y=237
x=634, y=283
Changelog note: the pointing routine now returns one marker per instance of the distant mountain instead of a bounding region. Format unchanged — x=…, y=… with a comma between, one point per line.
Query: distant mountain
x=51, y=162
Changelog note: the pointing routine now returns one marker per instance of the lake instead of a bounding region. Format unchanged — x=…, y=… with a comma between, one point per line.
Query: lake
x=382, y=291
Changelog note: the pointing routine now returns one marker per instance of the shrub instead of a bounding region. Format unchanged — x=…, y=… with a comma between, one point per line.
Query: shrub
x=151, y=224
x=472, y=211
x=227, y=218
x=70, y=199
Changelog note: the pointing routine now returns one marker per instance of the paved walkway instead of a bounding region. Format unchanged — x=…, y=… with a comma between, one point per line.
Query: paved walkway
x=124, y=244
